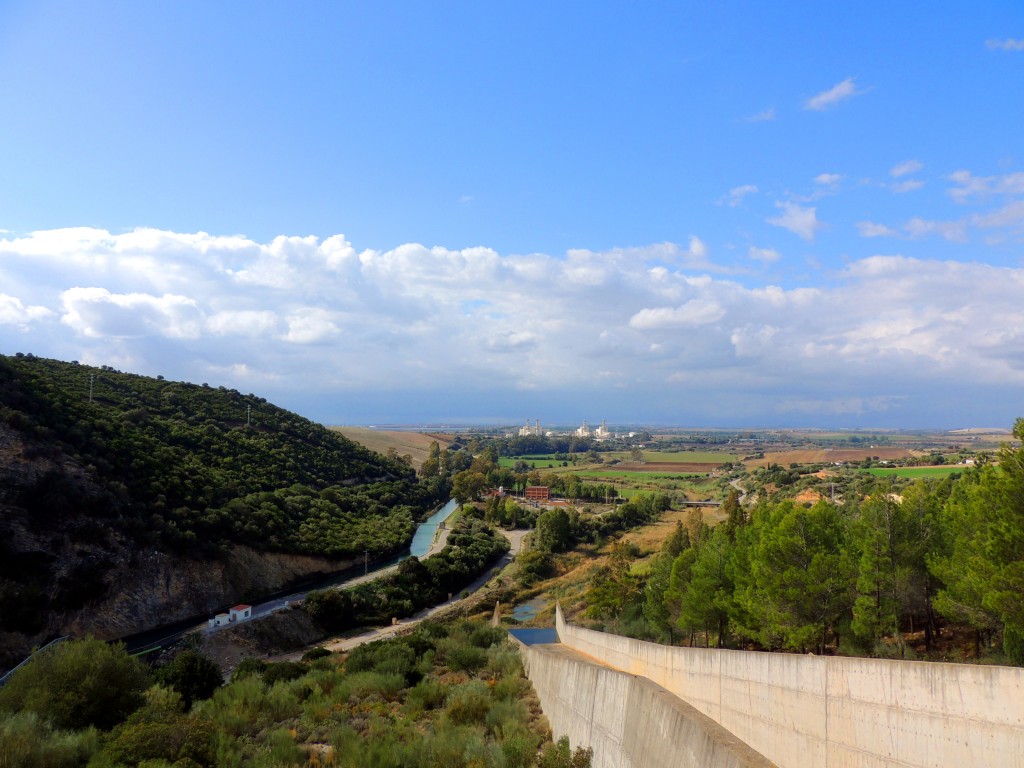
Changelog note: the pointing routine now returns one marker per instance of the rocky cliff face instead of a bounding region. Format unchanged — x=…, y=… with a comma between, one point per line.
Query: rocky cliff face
x=155, y=588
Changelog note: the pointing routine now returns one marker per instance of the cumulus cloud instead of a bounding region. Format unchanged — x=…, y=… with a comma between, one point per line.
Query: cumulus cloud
x=837, y=93
x=97, y=313
x=797, y=219
x=13, y=312
x=306, y=315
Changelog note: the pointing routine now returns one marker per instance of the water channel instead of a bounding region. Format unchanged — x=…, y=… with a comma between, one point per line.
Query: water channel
x=427, y=530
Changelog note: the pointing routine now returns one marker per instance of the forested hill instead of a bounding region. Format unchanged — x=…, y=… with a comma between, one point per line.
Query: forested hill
x=94, y=462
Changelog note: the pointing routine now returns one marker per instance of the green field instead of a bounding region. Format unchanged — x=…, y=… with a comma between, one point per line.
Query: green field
x=618, y=474
x=535, y=462
x=917, y=471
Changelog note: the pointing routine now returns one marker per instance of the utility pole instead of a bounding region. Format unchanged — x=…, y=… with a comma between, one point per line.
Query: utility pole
x=248, y=415
x=92, y=378
x=366, y=561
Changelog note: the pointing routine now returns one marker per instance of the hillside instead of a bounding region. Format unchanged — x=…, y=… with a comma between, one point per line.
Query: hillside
x=415, y=445
x=166, y=499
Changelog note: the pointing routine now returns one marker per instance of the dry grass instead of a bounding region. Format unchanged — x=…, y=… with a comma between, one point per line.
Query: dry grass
x=415, y=444
x=825, y=455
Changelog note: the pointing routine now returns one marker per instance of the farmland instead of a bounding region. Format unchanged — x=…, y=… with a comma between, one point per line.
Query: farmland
x=414, y=444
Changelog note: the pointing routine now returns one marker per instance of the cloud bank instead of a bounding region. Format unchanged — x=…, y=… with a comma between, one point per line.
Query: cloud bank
x=652, y=329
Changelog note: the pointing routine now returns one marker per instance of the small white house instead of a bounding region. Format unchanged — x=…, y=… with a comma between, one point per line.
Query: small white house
x=240, y=613
x=220, y=620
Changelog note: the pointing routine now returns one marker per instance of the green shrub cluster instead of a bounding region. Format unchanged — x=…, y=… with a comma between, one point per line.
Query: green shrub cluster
x=451, y=695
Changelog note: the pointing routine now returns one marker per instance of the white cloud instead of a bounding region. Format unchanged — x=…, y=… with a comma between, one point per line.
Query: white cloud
x=764, y=116
x=242, y=323
x=1010, y=215
x=828, y=179
x=969, y=185
x=1007, y=44
x=871, y=229
x=693, y=313
x=797, y=219
x=767, y=255
x=954, y=231
x=736, y=194
x=339, y=321
x=907, y=185
x=906, y=168
x=96, y=313
x=13, y=312
x=310, y=325
x=698, y=249
x=833, y=96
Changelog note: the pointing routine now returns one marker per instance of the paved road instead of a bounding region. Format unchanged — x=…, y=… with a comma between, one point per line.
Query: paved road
x=743, y=491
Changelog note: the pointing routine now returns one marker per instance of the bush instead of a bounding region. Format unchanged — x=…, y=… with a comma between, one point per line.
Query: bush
x=283, y=671
x=462, y=657
x=78, y=683
x=468, y=703
x=29, y=741
x=248, y=667
x=192, y=675
x=181, y=739
x=316, y=653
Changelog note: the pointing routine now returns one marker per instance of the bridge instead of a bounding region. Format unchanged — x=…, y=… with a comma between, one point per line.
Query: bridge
x=648, y=705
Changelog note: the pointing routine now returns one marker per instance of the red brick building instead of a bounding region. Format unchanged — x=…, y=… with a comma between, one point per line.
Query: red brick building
x=538, y=493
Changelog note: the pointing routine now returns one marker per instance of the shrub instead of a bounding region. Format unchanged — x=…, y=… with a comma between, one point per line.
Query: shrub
x=468, y=703
x=426, y=694
x=29, y=741
x=175, y=739
x=316, y=653
x=461, y=656
x=78, y=683
x=192, y=675
x=283, y=671
x=248, y=667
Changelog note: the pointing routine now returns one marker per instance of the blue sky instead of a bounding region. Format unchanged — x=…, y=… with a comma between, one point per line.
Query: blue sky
x=745, y=214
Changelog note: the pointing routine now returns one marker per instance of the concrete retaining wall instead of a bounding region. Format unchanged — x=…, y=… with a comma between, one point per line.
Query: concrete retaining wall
x=630, y=722
x=830, y=712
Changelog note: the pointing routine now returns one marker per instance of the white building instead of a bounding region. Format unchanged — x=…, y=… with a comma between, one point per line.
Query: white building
x=526, y=430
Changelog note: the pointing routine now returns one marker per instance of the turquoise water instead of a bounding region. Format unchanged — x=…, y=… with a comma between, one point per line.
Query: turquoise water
x=424, y=535
x=529, y=609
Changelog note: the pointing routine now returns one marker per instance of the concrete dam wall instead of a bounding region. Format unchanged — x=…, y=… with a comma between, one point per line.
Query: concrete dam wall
x=831, y=712
x=628, y=720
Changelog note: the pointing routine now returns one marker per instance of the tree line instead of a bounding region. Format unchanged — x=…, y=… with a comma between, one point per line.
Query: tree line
x=852, y=578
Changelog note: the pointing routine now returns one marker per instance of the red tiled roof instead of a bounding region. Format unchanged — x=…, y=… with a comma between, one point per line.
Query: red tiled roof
x=241, y=607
